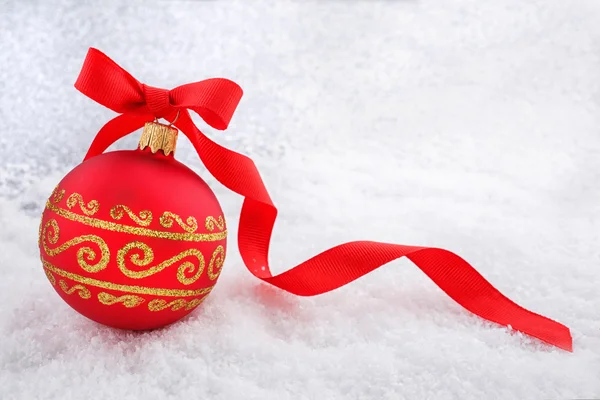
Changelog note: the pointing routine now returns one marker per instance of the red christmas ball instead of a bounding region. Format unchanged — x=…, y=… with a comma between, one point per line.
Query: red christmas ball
x=133, y=239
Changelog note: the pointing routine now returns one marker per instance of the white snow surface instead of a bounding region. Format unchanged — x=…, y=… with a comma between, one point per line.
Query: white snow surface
x=468, y=125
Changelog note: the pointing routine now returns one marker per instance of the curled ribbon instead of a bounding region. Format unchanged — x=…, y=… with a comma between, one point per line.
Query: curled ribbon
x=215, y=100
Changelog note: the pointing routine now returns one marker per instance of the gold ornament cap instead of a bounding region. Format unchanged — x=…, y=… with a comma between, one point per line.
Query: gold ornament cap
x=159, y=136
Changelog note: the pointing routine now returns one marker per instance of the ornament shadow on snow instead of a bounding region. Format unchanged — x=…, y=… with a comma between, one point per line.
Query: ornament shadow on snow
x=136, y=240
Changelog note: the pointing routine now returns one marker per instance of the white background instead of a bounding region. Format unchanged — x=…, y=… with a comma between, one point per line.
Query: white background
x=468, y=125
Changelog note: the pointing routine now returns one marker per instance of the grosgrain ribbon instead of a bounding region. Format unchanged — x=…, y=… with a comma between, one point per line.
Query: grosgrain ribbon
x=215, y=100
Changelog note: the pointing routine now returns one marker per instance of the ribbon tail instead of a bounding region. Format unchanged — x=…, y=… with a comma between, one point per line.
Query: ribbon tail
x=347, y=262
x=114, y=130
x=452, y=274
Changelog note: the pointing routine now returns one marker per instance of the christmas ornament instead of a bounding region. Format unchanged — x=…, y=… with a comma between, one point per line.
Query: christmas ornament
x=136, y=240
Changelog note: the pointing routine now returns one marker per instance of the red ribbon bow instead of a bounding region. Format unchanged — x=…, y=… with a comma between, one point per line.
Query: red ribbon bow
x=102, y=80
x=215, y=101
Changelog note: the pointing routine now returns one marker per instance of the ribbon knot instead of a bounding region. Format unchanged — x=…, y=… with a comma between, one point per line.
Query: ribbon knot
x=157, y=101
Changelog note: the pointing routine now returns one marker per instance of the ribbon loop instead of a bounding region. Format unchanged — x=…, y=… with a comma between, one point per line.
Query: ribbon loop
x=215, y=101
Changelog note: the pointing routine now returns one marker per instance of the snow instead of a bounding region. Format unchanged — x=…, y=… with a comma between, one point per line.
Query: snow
x=466, y=125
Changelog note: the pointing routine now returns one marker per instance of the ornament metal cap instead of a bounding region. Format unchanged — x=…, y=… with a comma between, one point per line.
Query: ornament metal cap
x=159, y=136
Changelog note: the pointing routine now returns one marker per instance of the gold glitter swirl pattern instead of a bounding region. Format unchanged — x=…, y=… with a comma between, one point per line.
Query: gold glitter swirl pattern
x=216, y=261
x=125, y=288
x=82, y=291
x=147, y=257
x=90, y=208
x=135, y=230
x=211, y=223
x=57, y=195
x=128, y=300
x=190, y=225
x=51, y=277
x=85, y=255
x=144, y=219
x=175, y=305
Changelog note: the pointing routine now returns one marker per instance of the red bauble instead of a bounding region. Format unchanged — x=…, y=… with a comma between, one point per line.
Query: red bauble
x=133, y=239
